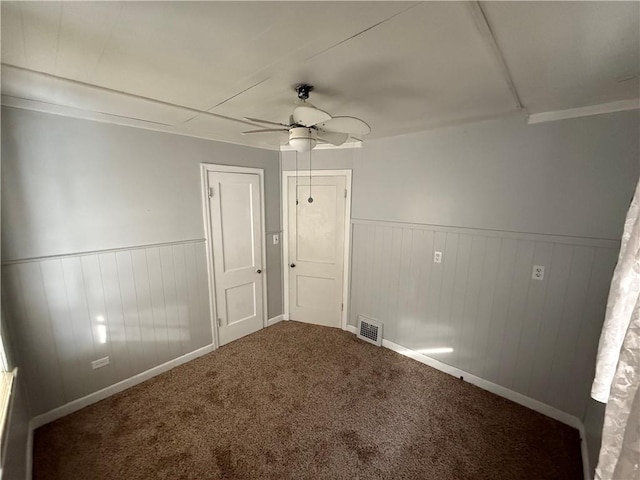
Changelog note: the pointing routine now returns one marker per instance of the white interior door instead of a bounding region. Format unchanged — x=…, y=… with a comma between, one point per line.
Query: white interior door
x=236, y=239
x=316, y=248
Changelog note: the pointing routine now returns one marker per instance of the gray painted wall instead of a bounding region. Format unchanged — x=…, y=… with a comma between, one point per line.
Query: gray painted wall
x=102, y=230
x=569, y=183
x=73, y=186
x=572, y=177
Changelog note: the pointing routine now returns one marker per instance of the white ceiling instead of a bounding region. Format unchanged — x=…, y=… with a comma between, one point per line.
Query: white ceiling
x=402, y=67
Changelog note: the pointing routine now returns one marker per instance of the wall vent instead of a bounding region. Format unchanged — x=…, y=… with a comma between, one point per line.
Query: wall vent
x=369, y=330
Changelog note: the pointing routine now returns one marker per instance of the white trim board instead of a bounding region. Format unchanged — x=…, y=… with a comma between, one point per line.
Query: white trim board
x=347, y=236
x=274, y=320
x=499, y=390
x=75, y=405
x=602, y=108
x=536, y=237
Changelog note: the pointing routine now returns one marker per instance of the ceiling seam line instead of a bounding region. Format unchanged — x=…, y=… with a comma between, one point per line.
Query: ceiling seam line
x=361, y=32
x=150, y=128
x=24, y=37
x=230, y=98
x=55, y=65
x=106, y=42
x=83, y=110
x=316, y=54
x=127, y=94
x=484, y=27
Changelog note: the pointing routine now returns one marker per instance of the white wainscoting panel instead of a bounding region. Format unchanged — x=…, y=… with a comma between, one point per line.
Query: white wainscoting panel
x=141, y=307
x=480, y=310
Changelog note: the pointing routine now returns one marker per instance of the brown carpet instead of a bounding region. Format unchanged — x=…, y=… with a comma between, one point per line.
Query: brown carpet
x=297, y=401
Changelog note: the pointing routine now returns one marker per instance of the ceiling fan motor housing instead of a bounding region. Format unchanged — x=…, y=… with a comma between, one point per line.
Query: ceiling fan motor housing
x=303, y=139
x=303, y=91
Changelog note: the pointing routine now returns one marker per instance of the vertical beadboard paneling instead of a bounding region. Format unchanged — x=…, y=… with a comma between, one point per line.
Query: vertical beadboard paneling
x=423, y=287
x=499, y=311
x=92, y=277
x=141, y=307
x=115, y=315
x=13, y=304
x=80, y=322
x=557, y=279
x=449, y=262
x=569, y=332
x=526, y=352
x=453, y=338
x=58, y=311
x=202, y=327
x=428, y=330
x=466, y=348
x=158, y=307
x=582, y=364
x=145, y=313
x=170, y=300
x=483, y=315
x=480, y=310
x=182, y=297
x=515, y=312
x=37, y=325
x=131, y=315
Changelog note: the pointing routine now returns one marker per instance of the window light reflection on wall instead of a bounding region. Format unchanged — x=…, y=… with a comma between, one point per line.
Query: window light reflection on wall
x=101, y=330
x=432, y=351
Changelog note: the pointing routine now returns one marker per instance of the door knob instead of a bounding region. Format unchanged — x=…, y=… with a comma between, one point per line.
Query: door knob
x=258, y=271
x=293, y=265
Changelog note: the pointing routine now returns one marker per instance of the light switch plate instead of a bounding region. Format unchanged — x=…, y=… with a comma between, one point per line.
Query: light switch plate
x=276, y=239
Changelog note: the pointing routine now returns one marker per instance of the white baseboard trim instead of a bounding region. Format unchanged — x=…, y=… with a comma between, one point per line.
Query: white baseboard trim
x=274, y=320
x=499, y=390
x=584, y=450
x=516, y=397
x=29, y=455
x=94, y=397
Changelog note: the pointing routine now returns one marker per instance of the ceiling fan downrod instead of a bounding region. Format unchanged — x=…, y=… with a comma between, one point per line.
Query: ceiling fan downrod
x=303, y=91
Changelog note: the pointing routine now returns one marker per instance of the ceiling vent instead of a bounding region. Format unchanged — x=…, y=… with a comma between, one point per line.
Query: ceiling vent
x=369, y=330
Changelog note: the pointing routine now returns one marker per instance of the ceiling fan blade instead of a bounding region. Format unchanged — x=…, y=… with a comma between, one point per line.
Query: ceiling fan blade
x=266, y=130
x=257, y=120
x=350, y=125
x=307, y=116
x=334, y=138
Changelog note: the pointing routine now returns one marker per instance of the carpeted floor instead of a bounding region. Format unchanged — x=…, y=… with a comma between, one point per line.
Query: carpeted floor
x=297, y=401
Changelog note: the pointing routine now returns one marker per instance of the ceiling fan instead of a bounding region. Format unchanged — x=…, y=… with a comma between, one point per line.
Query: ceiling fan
x=309, y=125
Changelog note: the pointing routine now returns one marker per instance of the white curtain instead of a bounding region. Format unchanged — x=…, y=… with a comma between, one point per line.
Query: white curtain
x=618, y=365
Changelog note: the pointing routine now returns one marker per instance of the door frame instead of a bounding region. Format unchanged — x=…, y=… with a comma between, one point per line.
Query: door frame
x=205, y=168
x=286, y=174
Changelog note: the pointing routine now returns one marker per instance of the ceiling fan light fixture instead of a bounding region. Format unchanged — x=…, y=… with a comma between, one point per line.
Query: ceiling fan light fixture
x=303, y=139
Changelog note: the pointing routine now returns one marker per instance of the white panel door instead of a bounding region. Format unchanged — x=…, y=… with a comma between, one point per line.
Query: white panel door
x=236, y=238
x=316, y=249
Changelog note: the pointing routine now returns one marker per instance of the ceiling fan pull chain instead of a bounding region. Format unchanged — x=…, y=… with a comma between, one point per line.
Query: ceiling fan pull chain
x=296, y=182
x=310, y=197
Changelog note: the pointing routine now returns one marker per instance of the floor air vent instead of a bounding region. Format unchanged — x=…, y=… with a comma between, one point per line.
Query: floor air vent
x=369, y=330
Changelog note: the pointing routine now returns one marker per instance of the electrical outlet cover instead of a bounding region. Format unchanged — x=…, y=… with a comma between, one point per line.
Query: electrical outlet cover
x=538, y=272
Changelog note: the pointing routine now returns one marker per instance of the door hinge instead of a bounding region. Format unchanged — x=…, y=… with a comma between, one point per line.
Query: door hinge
x=345, y=193
x=219, y=322
x=342, y=307
x=211, y=192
